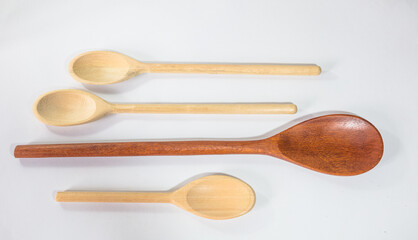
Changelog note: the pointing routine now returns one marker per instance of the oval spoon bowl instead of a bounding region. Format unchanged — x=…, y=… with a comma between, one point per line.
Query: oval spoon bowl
x=233, y=197
x=338, y=144
x=103, y=67
x=69, y=107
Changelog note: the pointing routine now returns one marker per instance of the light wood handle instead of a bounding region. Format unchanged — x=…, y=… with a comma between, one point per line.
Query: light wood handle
x=236, y=69
x=232, y=108
x=126, y=197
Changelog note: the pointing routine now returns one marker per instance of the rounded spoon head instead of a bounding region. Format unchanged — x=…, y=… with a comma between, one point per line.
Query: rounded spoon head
x=69, y=107
x=337, y=144
x=104, y=67
x=215, y=197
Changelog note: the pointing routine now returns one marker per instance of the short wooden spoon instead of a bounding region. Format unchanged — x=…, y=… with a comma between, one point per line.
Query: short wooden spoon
x=71, y=107
x=215, y=197
x=337, y=144
x=106, y=67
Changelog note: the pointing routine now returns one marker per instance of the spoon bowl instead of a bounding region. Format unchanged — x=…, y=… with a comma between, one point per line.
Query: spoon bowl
x=104, y=67
x=233, y=197
x=336, y=144
x=214, y=197
x=69, y=107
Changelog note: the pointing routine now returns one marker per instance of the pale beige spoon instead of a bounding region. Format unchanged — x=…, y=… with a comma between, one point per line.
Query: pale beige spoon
x=106, y=67
x=71, y=107
x=215, y=197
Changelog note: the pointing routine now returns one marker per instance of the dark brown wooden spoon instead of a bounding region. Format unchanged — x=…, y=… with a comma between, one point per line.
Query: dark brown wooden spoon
x=337, y=144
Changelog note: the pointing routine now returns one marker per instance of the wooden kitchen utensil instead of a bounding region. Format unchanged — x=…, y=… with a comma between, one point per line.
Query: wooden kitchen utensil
x=336, y=144
x=71, y=107
x=106, y=67
x=215, y=197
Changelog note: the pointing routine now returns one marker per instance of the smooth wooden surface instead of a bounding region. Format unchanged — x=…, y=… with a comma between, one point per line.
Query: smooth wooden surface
x=215, y=197
x=337, y=144
x=236, y=69
x=106, y=67
x=207, y=108
x=126, y=197
x=68, y=107
x=72, y=107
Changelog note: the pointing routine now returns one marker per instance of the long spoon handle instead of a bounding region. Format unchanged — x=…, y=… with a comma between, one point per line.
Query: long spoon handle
x=128, y=197
x=232, y=108
x=141, y=149
x=236, y=69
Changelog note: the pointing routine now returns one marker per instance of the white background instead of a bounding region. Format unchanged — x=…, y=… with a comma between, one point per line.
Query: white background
x=368, y=51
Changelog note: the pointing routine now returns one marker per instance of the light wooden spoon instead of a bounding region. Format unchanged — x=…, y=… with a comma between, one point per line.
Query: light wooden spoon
x=106, y=67
x=71, y=107
x=215, y=197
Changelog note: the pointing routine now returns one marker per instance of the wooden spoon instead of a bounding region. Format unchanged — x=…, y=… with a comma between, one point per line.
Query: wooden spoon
x=215, y=197
x=106, y=67
x=337, y=144
x=72, y=107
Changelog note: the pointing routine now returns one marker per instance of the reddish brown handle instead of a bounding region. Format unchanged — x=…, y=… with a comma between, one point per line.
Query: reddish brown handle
x=139, y=149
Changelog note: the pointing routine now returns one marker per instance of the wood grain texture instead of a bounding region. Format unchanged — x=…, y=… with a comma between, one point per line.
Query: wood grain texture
x=258, y=69
x=69, y=107
x=341, y=144
x=214, y=197
x=337, y=144
x=126, y=197
x=207, y=108
x=106, y=67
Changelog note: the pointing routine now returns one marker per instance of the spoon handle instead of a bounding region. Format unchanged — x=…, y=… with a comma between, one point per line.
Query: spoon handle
x=126, y=197
x=231, y=108
x=141, y=149
x=308, y=69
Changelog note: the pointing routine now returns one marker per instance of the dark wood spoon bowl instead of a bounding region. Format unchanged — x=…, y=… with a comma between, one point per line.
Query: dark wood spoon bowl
x=334, y=144
x=337, y=144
